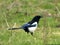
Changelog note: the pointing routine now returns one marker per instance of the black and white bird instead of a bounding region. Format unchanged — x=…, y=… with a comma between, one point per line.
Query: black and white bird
x=31, y=26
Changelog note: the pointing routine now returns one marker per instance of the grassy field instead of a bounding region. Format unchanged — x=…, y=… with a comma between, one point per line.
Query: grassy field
x=15, y=13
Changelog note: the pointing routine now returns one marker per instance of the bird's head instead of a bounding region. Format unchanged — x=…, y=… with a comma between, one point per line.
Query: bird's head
x=36, y=19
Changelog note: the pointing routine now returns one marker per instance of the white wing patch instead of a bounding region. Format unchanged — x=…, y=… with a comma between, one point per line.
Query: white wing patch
x=32, y=29
x=34, y=23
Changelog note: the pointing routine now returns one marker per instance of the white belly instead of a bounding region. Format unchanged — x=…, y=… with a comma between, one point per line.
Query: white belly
x=32, y=29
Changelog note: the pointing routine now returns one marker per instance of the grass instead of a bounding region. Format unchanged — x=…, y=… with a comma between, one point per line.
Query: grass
x=16, y=13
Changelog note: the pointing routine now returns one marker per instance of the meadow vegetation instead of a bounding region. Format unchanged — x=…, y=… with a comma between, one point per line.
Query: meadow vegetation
x=15, y=13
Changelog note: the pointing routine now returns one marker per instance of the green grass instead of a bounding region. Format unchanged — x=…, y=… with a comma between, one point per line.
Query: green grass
x=21, y=11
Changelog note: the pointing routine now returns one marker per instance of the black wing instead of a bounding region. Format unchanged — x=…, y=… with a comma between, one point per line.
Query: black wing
x=28, y=25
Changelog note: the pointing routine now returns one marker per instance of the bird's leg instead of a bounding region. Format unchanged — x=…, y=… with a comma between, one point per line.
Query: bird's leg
x=27, y=32
x=32, y=33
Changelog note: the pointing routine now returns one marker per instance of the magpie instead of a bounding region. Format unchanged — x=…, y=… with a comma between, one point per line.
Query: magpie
x=31, y=26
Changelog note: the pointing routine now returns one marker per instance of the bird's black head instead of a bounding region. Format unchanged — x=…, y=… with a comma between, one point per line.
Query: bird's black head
x=36, y=19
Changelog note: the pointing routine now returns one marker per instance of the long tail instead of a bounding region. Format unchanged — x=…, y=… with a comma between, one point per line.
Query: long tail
x=13, y=28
